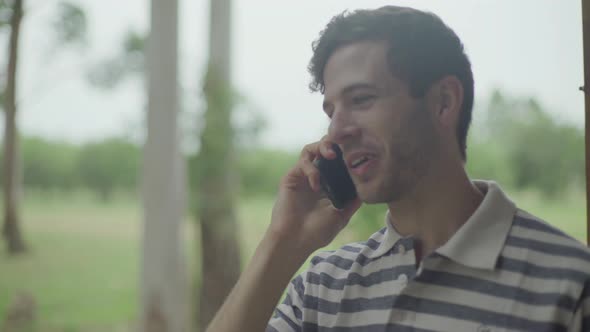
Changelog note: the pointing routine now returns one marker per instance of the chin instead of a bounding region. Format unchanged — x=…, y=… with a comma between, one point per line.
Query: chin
x=371, y=197
x=378, y=195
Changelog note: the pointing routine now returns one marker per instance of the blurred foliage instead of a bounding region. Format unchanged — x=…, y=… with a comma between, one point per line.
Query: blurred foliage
x=108, y=73
x=70, y=25
x=514, y=141
x=5, y=13
x=49, y=165
x=247, y=117
x=218, y=133
x=367, y=220
x=261, y=170
x=109, y=165
x=522, y=146
x=102, y=167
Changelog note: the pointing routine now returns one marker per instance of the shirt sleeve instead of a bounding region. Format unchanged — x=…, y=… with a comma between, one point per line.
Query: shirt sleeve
x=581, y=319
x=288, y=314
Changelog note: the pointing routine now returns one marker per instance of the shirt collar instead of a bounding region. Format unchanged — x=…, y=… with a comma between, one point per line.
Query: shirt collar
x=479, y=241
x=390, y=238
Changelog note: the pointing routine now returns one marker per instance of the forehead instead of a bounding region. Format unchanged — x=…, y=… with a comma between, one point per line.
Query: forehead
x=363, y=63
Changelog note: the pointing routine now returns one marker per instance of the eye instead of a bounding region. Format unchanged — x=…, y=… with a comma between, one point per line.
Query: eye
x=362, y=99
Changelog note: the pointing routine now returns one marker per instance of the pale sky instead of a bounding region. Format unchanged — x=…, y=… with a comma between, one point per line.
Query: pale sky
x=526, y=47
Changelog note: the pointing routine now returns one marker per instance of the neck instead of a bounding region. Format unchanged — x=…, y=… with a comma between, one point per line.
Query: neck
x=438, y=206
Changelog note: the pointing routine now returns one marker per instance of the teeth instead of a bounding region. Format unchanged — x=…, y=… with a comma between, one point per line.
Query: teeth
x=359, y=161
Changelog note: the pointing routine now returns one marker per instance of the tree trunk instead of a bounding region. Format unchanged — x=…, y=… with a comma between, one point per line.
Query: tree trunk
x=163, y=280
x=11, y=228
x=217, y=183
x=586, y=89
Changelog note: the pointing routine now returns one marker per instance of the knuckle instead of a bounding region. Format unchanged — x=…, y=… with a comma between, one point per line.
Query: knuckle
x=309, y=149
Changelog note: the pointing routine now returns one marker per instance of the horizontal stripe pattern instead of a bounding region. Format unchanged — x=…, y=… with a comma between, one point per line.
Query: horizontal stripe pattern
x=336, y=309
x=355, y=279
x=540, y=281
x=524, y=219
x=538, y=271
x=311, y=327
x=548, y=248
x=498, y=290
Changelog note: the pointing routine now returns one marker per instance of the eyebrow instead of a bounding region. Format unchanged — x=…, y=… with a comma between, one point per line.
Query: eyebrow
x=356, y=86
x=350, y=88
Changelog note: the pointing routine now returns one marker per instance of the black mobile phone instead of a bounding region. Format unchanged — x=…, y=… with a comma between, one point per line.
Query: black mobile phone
x=335, y=180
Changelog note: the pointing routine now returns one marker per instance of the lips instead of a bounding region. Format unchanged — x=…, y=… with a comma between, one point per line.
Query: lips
x=365, y=170
x=357, y=159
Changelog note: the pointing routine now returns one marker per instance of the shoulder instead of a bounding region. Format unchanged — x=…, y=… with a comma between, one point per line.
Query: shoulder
x=543, y=245
x=524, y=219
x=528, y=226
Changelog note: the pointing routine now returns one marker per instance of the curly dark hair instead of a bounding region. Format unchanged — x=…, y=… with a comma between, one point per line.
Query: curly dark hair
x=422, y=50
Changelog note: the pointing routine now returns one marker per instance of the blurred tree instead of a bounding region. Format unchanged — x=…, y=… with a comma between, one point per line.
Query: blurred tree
x=5, y=16
x=70, y=28
x=11, y=229
x=519, y=144
x=547, y=155
x=130, y=61
x=163, y=280
x=217, y=178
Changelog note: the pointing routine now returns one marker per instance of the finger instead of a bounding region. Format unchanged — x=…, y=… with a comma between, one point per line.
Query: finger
x=326, y=150
x=292, y=179
x=312, y=174
x=310, y=152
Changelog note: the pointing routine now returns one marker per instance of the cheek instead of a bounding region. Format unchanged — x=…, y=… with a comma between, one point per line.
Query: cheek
x=389, y=132
x=400, y=138
x=382, y=122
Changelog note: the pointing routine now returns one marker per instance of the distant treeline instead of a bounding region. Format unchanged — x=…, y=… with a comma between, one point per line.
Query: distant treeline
x=513, y=141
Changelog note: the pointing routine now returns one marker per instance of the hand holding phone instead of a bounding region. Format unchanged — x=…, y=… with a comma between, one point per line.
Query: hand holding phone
x=335, y=179
x=302, y=219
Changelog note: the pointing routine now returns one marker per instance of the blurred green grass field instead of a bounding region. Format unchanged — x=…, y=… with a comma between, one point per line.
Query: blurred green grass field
x=84, y=259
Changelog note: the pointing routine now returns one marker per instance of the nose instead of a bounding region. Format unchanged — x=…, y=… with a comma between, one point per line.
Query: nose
x=342, y=128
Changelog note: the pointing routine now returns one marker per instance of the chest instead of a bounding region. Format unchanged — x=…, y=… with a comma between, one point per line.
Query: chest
x=397, y=295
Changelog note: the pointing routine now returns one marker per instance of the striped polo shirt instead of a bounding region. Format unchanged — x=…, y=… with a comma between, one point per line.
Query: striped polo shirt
x=503, y=270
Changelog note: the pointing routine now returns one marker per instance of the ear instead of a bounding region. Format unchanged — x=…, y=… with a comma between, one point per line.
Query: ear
x=447, y=98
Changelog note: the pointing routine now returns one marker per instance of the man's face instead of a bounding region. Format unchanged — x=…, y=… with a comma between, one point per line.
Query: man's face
x=387, y=136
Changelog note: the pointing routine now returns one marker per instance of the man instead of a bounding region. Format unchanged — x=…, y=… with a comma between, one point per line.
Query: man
x=455, y=255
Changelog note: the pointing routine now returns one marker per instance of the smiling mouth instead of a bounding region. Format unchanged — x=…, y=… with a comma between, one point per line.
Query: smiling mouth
x=359, y=161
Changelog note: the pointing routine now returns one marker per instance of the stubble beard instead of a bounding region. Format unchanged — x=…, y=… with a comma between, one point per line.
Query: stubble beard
x=410, y=156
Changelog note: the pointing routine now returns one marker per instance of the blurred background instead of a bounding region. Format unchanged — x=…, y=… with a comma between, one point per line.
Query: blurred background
x=143, y=142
